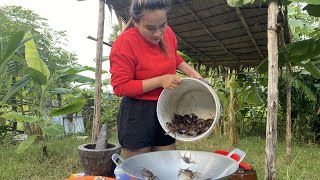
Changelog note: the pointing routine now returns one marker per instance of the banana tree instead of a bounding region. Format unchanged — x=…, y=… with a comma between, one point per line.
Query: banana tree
x=7, y=55
x=8, y=61
x=240, y=96
x=38, y=72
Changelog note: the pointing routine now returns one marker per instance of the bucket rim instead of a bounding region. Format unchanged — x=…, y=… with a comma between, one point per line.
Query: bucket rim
x=216, y=117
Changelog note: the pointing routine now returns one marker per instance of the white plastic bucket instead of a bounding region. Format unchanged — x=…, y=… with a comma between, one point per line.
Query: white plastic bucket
x=191, y=96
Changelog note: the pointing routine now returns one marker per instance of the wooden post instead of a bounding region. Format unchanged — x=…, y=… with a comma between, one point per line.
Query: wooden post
x=271, y=127
x=288, y=115
x=233, y=133
x=288, y=88
x=226, y=124
x=231, y=110
x=97, y=94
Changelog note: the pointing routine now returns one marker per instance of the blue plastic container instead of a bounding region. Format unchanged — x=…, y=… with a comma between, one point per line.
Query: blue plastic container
x=121, y=175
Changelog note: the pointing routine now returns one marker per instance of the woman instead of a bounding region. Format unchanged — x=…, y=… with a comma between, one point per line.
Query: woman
x=143, y=62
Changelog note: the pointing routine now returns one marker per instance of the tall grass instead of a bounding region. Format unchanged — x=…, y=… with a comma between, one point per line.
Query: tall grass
x=63, y=158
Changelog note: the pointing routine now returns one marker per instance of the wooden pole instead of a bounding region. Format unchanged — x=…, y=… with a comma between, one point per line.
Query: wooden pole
x=271, y=127
x=97, y=94
x=288, y=115
x=288, y=87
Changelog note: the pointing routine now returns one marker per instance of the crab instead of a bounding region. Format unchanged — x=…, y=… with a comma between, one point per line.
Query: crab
x=186, y=159
x=148, y=175
x=187, y=174
x=190, y=125
x=172, y=128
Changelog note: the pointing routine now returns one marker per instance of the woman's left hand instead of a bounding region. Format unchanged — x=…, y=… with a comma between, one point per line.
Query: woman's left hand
x=195, y=74
x=189, y=71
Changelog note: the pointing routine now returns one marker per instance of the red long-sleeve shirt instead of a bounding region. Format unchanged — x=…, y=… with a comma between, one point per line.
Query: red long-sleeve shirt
x=133, y=59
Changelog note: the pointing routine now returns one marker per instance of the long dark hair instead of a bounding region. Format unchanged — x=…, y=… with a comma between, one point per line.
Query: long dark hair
x=139, y=6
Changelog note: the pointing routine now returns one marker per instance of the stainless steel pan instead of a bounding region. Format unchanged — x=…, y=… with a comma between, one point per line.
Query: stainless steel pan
x=168, y=165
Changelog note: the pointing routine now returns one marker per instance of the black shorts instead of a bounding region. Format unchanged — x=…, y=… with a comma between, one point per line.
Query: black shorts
x=138, y=125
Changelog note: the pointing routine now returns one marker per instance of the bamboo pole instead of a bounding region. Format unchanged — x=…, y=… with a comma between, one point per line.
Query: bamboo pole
x=97, y=94
x=272, y=105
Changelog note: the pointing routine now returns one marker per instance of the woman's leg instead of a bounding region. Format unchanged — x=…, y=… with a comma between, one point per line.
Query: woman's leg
x=126, y=153
x=164, y=148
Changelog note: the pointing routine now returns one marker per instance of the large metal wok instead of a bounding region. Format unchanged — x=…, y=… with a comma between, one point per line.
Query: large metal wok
x=168, y=165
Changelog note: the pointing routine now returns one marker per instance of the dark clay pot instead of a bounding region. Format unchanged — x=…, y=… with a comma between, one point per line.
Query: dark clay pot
x=98, y=162
x=242, y=174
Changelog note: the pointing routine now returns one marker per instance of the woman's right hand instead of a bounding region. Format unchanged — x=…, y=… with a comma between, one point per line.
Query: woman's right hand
x=170, y=81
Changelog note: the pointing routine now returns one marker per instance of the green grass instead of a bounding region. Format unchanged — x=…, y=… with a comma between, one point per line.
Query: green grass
x=63, y=158
x=305, y=159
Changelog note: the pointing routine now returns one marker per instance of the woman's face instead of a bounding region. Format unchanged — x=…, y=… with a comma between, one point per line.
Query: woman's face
x=152, y=25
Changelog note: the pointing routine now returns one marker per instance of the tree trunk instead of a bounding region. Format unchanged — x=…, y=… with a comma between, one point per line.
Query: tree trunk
x=233, y=134
x=288, y=120
x=59, y=98
x=97, y=95
x=272, y=105
x=288, y=89
x=14, y=108
x=226, y=121
x=231, y=115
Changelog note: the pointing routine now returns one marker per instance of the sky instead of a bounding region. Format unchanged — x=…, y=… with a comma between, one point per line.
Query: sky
x=79, y=19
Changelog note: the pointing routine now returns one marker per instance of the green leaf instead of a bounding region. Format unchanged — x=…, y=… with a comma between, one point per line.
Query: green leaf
x=313, y=10
x=77, y=78
x=239, y=3
x=298, y=48
x=316, y=2
x=54, y=130
x=42, y=122
x=106, y=81
x=293, y=23
x=26, y=144
x=262, y=67
x=305, y=89
x=30, y=119
x=298, y=52
x=74, y=70
x=13, y=45
x=13, y=116
x=68, y=109
x=253, y=112
x=315, y=33
x=9, y=82
x=19, y=117
x=254, y=99
x=16, y=87
x=313, y=70
x=61, y=91
x=37, y=76
x=33, y=59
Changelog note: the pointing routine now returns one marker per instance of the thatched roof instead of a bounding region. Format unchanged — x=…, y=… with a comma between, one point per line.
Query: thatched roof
x=213, y=33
